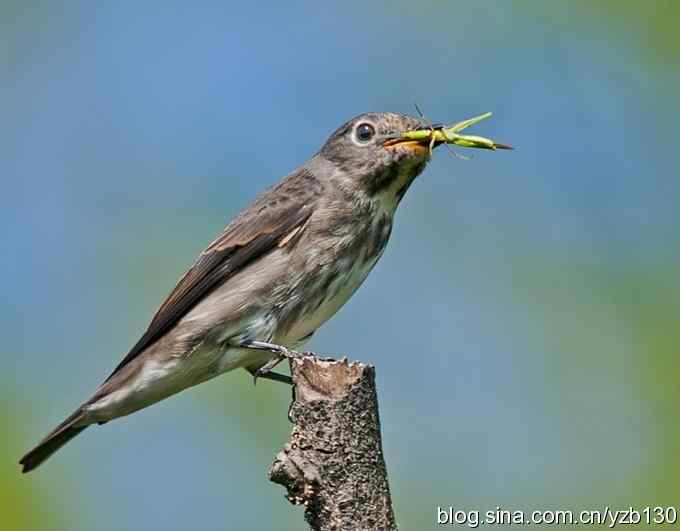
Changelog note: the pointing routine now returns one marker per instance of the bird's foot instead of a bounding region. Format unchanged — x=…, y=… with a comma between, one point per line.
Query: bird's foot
x=270, y=375
x=281, y=353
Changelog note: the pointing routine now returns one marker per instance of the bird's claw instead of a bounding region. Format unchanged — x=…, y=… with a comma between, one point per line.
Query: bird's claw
x=282, y=353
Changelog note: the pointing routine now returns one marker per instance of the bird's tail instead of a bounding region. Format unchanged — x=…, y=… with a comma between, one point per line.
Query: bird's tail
x=62, y=434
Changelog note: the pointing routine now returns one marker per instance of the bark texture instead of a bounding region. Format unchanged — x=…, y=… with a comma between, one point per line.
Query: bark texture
x=333, y=463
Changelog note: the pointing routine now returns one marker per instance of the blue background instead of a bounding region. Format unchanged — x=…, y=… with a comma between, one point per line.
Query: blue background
x=523, y=320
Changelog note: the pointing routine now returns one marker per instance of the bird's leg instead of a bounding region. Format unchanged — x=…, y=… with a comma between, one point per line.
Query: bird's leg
x=269, y=375
x=281, y=353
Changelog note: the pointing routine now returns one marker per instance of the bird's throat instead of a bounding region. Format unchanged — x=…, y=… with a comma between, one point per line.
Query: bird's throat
x=390, y=187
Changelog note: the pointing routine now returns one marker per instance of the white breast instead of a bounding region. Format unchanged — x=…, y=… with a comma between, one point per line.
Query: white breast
x=337, y=281
x=321, y=308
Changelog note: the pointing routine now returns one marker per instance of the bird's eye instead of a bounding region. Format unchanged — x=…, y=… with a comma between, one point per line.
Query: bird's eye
x=365, y=132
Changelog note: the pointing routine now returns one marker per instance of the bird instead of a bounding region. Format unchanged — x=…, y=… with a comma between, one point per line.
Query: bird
x=277, y=272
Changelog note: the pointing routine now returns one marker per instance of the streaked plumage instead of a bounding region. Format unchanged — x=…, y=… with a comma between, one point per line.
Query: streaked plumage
x=277, y=272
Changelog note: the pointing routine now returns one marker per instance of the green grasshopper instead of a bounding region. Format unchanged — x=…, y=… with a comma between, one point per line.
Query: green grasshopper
x=440, y=134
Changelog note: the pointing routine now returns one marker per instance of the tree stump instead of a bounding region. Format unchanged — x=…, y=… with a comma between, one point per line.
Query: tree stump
x=333, y=463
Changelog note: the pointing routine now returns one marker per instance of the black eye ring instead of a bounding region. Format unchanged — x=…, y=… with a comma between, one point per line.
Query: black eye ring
x=364, y=133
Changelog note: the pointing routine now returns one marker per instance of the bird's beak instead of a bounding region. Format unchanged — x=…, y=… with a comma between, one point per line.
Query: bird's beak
x=416, y=147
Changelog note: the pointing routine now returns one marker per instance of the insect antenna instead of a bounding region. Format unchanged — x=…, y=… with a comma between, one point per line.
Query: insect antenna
x=428, y=123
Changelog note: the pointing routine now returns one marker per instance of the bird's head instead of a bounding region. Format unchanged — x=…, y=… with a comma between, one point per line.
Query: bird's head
x=367, y=153
x=379, y=154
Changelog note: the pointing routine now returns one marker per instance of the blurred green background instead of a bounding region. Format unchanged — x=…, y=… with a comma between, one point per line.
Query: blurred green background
x=524, y=319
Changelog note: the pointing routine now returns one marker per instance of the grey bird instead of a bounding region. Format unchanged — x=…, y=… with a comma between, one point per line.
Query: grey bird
x=276, y=273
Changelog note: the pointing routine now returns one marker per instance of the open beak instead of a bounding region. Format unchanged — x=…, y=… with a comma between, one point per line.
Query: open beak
x=417, y=147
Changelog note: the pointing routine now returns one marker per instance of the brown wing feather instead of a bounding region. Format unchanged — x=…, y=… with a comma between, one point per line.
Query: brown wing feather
x=271, y=219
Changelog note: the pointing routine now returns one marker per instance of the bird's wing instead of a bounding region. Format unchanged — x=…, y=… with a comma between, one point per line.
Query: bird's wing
x=276, y=219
